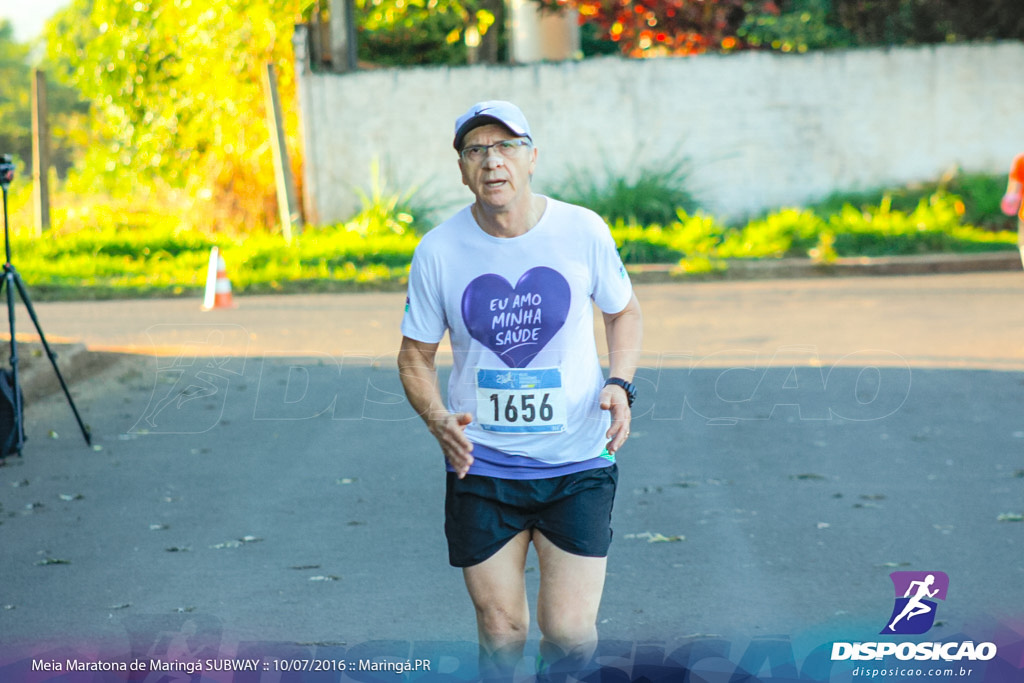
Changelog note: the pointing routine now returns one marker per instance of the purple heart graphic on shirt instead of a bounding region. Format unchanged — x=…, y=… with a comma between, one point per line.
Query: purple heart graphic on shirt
x=516, y=322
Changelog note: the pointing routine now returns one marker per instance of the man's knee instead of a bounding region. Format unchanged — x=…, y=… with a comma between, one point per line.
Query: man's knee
x=501, y=625
x=573, y=633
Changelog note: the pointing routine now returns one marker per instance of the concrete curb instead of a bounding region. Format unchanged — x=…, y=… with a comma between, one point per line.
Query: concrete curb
x=764, y=269
x=75, y=362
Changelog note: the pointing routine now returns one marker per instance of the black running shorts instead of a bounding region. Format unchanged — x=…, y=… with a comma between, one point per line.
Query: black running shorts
x=573, y=511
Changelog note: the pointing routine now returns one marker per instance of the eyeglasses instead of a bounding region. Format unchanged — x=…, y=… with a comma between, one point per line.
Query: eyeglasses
x=508, y=149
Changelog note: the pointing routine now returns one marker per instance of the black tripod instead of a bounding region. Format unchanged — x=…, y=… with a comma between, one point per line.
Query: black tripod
x=12, y=279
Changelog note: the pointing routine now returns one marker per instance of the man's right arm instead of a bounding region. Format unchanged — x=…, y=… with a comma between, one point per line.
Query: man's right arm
x=419, y=378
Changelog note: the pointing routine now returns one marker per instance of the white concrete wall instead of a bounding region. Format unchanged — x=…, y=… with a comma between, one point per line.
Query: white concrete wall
x=760, y=130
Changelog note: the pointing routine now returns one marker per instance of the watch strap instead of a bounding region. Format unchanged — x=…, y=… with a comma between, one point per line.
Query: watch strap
x=629, y=387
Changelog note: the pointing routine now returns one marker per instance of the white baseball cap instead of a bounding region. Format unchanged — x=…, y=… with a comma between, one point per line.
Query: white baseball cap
x=491, y=111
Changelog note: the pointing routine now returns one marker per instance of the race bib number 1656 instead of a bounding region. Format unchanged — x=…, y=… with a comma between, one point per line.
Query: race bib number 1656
x=520, y=401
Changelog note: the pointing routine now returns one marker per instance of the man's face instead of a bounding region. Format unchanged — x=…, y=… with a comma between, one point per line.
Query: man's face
x=496, y=180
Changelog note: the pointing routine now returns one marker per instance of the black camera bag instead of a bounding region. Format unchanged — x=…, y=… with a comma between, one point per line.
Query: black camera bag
x=12, y=433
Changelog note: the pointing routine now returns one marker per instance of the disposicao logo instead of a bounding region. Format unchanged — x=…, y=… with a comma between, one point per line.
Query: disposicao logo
x=916, y=592
x=913, y=614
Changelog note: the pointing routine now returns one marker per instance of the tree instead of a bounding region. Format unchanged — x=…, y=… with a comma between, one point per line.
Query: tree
x=63, y=103
x=796, y=26
x=15, y=93
x=645, y=28
x=176, y=96
x=410, y=32
x=901, y=22
x=652, y=28
x=175, y=88
x=811, y=24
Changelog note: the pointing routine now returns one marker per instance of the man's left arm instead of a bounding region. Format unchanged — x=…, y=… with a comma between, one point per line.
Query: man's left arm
x=624, y=332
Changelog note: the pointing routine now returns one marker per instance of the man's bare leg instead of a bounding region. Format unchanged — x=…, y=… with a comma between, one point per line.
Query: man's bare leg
x=567, y=604
x=498, y=590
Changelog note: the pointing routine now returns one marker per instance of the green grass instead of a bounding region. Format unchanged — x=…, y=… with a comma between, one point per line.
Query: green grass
x=122, y=251
x=143, y=262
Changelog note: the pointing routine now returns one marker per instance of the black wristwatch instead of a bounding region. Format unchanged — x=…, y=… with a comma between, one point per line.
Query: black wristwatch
x=628, y=386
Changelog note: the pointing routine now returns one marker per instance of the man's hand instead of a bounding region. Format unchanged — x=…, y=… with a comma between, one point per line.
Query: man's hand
x=613, y=398
x=450, y=431
x=419, y=378
x=1010, y=203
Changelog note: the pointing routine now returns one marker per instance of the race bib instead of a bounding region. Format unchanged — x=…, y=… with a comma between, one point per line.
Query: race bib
x=520, y=401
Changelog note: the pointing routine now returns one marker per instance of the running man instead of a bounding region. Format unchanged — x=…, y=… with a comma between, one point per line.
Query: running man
x=914, y=606
x=531, y=427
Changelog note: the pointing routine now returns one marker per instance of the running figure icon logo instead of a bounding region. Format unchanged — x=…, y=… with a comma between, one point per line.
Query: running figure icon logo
x=916, y=592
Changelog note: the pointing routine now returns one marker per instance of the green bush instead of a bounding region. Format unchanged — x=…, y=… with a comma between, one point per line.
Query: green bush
x=788, y=232
x=980, y=194
x=701, y=244
x=650, y=197
x=934, y=226
x=688, y=235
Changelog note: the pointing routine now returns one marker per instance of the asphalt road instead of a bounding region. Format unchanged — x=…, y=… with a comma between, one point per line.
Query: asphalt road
x=258, y=477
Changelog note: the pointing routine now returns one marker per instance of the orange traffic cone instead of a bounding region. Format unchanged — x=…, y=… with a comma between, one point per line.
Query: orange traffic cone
x=218, y=286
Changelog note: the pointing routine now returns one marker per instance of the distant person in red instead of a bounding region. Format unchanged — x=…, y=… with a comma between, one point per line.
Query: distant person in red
x=1011, y=203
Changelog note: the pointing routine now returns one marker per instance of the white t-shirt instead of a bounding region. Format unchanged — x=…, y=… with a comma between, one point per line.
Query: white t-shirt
x=520, y=317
